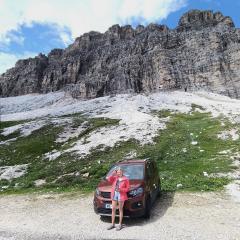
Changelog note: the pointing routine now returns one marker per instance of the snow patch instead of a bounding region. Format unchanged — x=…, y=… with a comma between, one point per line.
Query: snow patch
x=27, y=128
x=131, y=154
x=135, y=113
x=52, y=155
x=7, y=141
x=144, y=132
x=58, y=103
x=70, y=132
x=184, y=150
x=229, y=134
x=10, y=172
x=225, y=151
x=205, y=174
x=29, y=102
x=39, y=182
x=194, y=142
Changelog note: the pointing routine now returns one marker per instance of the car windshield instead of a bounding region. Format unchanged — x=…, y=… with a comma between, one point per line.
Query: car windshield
x=131, y=171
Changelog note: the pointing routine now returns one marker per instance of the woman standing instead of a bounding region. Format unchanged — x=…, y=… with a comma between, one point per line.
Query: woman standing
x=120, y=187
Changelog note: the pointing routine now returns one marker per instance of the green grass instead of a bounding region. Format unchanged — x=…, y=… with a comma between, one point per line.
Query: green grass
x=28, y=149
x=163, y=113
x=175, y=165
x=77, y=115
x=31, y=148
x=92, y=124
x=7, y=124
x=12, y=135
x=195, y=107
x=186, y=168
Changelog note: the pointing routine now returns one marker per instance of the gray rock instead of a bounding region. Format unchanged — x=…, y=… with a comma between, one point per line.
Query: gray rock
x=203, y=52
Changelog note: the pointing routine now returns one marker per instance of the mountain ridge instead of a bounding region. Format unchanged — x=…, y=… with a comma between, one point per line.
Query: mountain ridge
x=201, y=53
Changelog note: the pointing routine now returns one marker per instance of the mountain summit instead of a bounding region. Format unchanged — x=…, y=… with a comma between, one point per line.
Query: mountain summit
x=202, y=52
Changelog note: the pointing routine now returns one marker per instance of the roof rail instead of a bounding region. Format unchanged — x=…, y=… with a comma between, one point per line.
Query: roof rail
x=123, y=160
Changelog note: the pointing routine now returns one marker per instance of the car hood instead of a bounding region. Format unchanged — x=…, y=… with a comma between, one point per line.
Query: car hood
x=105, y=186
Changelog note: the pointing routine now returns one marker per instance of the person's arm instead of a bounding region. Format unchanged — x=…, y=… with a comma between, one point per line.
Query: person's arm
x=126, y=187
x=112, y=177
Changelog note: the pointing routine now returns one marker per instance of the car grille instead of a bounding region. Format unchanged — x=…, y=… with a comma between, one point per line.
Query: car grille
x=105, y=211
x=109, y=211
x=106, y=194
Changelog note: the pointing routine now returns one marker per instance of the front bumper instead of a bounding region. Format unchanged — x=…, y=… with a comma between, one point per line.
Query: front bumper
x=133, y=207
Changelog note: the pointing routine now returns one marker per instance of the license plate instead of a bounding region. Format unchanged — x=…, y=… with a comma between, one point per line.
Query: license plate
x=108, y=205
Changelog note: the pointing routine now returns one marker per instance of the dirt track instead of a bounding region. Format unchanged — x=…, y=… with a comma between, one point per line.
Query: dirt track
x=175, y=216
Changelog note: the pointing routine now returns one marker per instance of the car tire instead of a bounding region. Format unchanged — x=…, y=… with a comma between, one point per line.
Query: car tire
x=148, y=206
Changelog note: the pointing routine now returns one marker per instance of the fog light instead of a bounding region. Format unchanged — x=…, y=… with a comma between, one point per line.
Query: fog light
x=136, y=205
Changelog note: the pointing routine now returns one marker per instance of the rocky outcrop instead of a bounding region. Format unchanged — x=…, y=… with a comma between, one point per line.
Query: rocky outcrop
x=203, y=52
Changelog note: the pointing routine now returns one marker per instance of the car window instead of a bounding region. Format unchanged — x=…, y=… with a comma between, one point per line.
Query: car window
x=132, y=171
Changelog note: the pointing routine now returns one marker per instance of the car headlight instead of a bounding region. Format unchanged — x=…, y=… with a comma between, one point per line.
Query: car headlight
x=136, y=192
x=97, y=192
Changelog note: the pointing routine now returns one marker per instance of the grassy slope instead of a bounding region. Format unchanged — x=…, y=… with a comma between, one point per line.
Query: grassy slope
x=175, y=165
x=9, y=124
x=186, y=167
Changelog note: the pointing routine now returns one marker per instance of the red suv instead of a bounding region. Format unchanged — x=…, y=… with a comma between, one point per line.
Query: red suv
x=145, y=187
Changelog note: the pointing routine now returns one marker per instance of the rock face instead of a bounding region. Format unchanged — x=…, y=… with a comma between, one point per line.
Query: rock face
x=202, y=52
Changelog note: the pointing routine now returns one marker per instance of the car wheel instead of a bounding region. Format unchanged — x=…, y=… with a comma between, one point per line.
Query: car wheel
x=147, y=212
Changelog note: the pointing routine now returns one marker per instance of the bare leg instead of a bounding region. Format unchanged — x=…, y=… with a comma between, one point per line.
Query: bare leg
x=121, y=204
x=114, y=206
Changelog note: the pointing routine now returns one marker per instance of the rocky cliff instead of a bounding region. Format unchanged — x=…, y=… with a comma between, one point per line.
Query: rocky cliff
x=202, y=52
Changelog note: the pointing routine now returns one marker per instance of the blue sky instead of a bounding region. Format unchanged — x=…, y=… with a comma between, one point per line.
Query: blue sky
x=227, y=7
x=29, y=27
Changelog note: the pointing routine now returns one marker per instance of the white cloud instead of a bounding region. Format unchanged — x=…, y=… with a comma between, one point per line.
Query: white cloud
x=148, y=11
x=11, y=37
x=8, y=60
x=79, y=16
x=82, y=15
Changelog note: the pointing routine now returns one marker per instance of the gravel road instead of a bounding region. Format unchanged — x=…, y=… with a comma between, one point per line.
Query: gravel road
x=71, y=216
